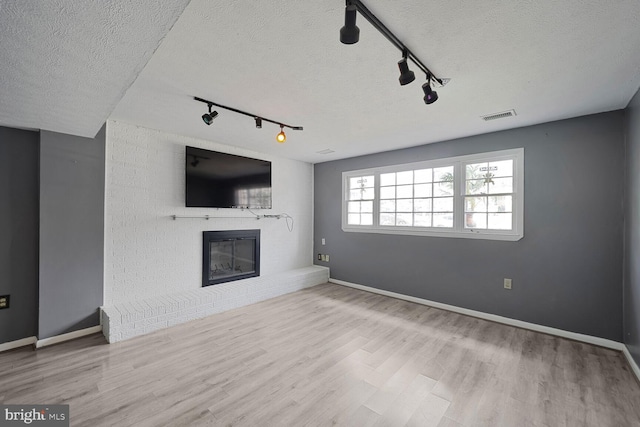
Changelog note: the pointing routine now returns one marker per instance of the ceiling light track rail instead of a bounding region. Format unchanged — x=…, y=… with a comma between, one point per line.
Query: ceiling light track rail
x=245, y=113
x=406, y=52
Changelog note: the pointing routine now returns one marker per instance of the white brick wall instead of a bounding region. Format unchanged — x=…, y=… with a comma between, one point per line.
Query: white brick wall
x=125, y=320
x=148, y=254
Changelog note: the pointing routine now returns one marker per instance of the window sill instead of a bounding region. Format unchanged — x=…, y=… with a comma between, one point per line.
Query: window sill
x=467, y=234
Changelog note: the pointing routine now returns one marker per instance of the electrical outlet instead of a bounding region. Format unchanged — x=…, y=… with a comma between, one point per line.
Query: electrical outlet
x=319, y=257
x=326, y=258
x=507, y=283
x=4, y=301
x=323, y=241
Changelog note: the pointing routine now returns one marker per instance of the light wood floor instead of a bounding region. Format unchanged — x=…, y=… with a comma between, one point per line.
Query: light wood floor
x=329, y=355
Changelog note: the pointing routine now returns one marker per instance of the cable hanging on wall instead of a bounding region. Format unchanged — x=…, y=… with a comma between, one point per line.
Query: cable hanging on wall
x=350, y=34
x=207, y=118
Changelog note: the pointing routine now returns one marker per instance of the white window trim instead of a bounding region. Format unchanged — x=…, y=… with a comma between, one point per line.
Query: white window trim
x=458, y=230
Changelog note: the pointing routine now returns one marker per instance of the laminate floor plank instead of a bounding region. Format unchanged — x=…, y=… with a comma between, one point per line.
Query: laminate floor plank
x=329, y=355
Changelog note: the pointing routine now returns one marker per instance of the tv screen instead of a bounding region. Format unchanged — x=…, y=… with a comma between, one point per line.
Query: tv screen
x=221, y=180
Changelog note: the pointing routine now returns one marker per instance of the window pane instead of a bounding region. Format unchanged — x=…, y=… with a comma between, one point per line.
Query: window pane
x=361, y=181
x=387, y=219
x=404, y=219
x=387, y=205
x=501, y=168
x=443, y=189
x=475, y=220
x=473, y=171
x=443, y=204
x=501, y=185
x=404, y=205
x=500, y=204
x=443, y=174
x=361, y=187
x=387, y=192
x=367, y=194
x=355, y=195
x=422, y=220
x=500, y=221
x=366, y=207
x=405, y=177
x=475, y=204
x=422, y=175
x=354, y=207
x=353, y=219
x=443, y=220
x=422, y=190
x=405, y=192
x=422, y=205
x=387, y=179
x=476, y=186
x=366, y=219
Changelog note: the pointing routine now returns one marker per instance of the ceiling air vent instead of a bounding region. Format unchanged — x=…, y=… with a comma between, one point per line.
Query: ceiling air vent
x=327, y=151
x=496, y=116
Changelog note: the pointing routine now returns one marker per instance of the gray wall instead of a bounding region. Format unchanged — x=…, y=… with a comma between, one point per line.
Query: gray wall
x=566, y=271
x=72, y=174
x=19, y=232
x=632, y=230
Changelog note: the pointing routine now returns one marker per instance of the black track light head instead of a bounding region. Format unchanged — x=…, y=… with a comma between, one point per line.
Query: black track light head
x=406, y=75
x=430, y=96
x=258, y=123
x=207, y=118
x=350, y=33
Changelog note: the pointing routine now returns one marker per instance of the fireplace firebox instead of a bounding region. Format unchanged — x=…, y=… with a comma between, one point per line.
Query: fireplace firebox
x=230, y=255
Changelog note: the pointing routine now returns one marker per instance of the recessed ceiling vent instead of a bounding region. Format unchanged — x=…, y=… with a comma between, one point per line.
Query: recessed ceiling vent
x=496, y=116
x=327, y=151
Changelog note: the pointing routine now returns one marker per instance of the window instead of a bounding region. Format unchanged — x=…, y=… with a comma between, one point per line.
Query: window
x=475, y=196
x=360, y=205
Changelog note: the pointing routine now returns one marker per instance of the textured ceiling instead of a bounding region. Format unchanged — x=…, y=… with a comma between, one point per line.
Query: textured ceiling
x=65, y=64
x=282, y=60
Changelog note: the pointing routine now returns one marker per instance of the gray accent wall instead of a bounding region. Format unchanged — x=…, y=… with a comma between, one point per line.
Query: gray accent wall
x=632, y=230
x=72, y=177
x=19, y=233
x=566, y=271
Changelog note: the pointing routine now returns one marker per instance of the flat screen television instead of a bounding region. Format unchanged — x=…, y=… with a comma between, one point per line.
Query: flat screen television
x=221, y=180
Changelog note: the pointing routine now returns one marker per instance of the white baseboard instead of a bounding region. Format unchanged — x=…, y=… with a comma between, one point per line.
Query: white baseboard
x=18, y=343
x=632, y=363
x=69, y=336
x=494, y=318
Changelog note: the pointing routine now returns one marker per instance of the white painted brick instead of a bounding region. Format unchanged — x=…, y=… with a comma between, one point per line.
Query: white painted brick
x=129, y=319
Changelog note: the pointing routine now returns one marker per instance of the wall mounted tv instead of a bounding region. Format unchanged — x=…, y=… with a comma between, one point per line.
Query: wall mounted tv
x=221, y=180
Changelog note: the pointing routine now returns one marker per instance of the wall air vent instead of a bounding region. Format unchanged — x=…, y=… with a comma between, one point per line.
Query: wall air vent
x=496, y=116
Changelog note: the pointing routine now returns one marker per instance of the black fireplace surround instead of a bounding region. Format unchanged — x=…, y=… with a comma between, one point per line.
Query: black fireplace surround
x=230, y=255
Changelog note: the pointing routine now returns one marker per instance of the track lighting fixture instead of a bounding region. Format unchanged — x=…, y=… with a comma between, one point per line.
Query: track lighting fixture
x=350, y=33
x=430, y=96
x=208, y=118
x=281, y=137
x=406, y=75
